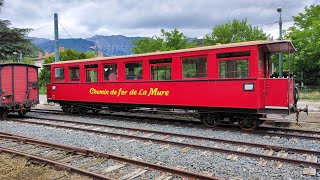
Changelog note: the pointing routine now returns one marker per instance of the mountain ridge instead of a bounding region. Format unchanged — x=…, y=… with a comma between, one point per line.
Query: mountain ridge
x=113, y=45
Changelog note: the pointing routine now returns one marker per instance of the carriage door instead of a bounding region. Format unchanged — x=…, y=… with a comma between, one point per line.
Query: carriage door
x=20, y=83
x=6, y=86
x=264, y=73
x=33, y=87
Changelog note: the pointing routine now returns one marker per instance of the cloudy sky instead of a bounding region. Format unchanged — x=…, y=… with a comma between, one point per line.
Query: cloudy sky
x=195, y=18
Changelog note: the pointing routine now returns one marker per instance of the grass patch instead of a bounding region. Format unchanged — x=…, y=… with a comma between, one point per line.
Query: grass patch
x=310, y=94
x=43, y=90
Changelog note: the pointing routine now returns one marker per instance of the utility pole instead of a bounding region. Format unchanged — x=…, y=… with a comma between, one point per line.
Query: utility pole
x=56, y=39
x=20, y=57
x=280, y=38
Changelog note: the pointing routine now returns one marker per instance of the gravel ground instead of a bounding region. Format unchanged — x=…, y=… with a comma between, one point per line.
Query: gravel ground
x=236, y=135
x=215, y=163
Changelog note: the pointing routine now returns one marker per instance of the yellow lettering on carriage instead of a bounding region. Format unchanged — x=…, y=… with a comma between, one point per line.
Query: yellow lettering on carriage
x=156, y=92
x=133, y=92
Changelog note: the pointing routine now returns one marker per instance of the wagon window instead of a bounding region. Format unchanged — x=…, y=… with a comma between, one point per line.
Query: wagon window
x=194, y=67
x=91, y=75
x=162, y=72
x=74, y=73
x=110, y=72
x=134, y=71
x=58, y=74
x=233, y=69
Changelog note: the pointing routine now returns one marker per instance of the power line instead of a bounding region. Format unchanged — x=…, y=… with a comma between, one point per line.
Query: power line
x=276, y=22
x=65, y=30
x=95, y=44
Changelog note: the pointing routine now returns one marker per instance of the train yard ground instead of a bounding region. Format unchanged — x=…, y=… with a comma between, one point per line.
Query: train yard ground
x=213, y=153
x=308, y=122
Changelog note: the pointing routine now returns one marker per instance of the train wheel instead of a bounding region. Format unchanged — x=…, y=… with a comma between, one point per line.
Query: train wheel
x=22, y=113
x=83, y=110
x=96, y=109
x=65, y=108
x=248, y=123
x=3, y=114
x=210, y=120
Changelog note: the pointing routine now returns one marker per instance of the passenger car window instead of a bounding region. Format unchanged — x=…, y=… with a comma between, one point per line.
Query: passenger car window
x=194, y=67
x=91, y=75
x=233, y=69
x=59, y=74
x=161, y=72
x=134, y=71
x=110, y=72
x=74, y=74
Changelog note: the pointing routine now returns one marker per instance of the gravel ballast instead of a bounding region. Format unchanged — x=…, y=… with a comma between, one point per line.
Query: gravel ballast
x=193, y=160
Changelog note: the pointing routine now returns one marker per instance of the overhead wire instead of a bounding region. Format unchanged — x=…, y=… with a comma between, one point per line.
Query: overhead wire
x=73, y=38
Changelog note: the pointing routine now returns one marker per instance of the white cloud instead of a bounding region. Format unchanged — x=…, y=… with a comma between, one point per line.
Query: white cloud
x=82, y=18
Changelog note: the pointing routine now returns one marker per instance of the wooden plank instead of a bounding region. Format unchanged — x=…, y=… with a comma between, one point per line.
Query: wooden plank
x=165, y=137
x=185, y=150
x=281, y=154
x=27, y=148
x=98, y=129
x=205, y=153
x=309, y=170
x=148, y=143
x=112, y=168
x=179, y=140
x=91, y=163
x=148, y=135
x=134, y=174
x=56, y=157
x=115, y=138
x=164, y=177
x=233, y=156
x=264, y=162
x=131, y=140
x=70, y=158
x=165, y=146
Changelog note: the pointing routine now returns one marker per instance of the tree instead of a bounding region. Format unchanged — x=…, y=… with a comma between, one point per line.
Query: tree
x=66, y=55
x=145, y=45
x=235, y=31
x=305, y=35
x=173, y=40
x=12, y=39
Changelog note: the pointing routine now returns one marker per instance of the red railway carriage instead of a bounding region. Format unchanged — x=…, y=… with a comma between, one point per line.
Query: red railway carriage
x=18, y=88
x=224, y=83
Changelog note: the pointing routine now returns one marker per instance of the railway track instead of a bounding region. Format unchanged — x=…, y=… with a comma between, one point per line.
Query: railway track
x=262, y=130
x=271, y=152
x=88, y=162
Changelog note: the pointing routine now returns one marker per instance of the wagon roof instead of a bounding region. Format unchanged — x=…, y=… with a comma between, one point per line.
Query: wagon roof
x=18, y=64
x=274, y=46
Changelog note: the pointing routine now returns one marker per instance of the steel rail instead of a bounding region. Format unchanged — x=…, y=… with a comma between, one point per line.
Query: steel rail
x=221, y=150
x=265, y=146
x=82, y=151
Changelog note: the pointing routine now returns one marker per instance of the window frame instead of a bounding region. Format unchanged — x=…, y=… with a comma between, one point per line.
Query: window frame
x=131, y=62
x=69, y=67
x=60, y=79
x=161, y=64
x=90, y=69
x=110, y=63
x=182, y=58
x=248, y=58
